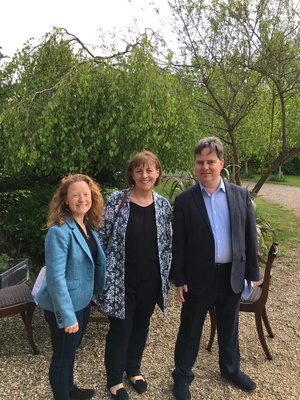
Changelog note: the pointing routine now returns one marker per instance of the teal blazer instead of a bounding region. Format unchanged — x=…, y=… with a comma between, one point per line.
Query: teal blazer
x=72, y=277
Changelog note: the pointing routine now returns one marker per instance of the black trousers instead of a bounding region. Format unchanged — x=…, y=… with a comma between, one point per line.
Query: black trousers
x=193, y=314
x=126, y=338
x=64, y=346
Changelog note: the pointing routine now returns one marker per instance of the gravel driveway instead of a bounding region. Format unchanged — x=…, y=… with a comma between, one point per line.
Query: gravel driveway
x=287, y=196
x=25, y=376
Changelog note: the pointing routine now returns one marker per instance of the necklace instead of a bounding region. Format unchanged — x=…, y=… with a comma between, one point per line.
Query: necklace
x=86, y=232
x=83, y=229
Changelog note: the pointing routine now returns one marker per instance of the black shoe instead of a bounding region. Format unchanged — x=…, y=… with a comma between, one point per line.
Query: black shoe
x=81, y=394
x=181, y=391
x=242, y=381
x=121, y=394
x=140, y=385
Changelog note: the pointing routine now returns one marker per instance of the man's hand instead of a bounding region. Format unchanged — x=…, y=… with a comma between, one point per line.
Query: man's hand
x=180, y=291
x=72, y=329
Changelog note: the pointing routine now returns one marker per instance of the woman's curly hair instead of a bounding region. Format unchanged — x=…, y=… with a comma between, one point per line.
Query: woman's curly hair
x=59, y=208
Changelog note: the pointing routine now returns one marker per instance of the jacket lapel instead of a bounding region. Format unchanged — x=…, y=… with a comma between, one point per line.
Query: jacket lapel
x=231, y=202
x=198, y=197
x=78, y=236
x=100, y=252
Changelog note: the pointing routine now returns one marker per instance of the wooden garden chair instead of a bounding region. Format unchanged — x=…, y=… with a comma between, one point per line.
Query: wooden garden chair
x=18, y=299
x=255, y=303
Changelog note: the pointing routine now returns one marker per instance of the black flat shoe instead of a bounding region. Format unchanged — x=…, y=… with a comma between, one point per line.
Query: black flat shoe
x=121, y=394
x=140, y=386
x=81, y=394
x=181, y=391
x=242, y=381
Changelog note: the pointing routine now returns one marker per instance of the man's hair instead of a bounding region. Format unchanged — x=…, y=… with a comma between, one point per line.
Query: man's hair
x=213, y=143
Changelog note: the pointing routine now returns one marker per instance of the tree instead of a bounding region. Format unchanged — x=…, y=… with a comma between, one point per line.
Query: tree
x=272, y=31
x=238, y=50
x=73, y=111
x=210, y=52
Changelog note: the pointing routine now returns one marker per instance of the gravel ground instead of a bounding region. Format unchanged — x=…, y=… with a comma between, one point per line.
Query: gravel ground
x=25, y=376
x=287, y=196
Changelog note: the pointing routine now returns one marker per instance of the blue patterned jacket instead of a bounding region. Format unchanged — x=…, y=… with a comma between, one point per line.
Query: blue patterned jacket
x=112, y=237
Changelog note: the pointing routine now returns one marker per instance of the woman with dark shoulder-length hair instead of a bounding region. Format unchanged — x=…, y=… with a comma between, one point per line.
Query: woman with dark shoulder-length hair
x=136, y=238
x=75, y=274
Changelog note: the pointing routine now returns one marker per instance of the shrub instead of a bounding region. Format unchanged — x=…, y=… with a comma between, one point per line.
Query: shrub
x=23, y=222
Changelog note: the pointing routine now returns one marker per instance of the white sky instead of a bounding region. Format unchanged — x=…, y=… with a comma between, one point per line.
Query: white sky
x=23, y=19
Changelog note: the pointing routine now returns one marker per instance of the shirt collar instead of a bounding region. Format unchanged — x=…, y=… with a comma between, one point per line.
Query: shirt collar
x=220, y=187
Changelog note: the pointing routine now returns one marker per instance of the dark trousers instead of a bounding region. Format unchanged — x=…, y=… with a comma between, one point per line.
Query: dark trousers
x=193, y=314
x=126, y=338
x=64, y=346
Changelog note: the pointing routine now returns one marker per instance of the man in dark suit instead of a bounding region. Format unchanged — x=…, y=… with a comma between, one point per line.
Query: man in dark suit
x=214, y=250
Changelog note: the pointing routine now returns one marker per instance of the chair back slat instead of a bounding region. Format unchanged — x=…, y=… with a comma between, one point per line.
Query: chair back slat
x=266, y=281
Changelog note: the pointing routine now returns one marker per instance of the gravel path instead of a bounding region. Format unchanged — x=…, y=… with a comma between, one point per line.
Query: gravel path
x=287, y=196
x=25, y=376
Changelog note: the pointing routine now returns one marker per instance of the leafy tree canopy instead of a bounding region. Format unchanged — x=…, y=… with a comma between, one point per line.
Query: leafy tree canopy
x=235, y=52
x=71, y=111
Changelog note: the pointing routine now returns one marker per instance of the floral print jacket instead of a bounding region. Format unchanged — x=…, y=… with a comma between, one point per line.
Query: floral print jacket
x=112, y=237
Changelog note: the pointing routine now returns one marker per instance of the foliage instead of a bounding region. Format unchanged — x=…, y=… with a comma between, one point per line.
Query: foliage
x=176, y=184
x=266, y=235
x=74, y=112
x=4, y=259
x=292, y=167
x=243, y=57
x=275, y=178
x=23, y=222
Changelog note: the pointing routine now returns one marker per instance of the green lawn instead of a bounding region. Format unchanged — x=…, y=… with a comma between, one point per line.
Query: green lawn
x=285, y=223
x=164, y=188
x=288, y=180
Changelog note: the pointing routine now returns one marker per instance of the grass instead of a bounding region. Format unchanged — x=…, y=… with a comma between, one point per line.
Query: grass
x=285, y=223
x=288, y=180
x=164, y=188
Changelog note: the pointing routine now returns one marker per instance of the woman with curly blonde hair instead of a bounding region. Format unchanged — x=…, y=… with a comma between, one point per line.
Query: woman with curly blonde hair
x=75, y=274
x=59, y=208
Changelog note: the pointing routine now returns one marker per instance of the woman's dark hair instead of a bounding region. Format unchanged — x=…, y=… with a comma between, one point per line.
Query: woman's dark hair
x=143, y=158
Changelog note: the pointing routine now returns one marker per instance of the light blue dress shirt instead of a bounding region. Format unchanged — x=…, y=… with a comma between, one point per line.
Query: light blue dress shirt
x=218, y=213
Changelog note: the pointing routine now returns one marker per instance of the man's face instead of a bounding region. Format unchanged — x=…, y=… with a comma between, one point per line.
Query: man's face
x=208, y=168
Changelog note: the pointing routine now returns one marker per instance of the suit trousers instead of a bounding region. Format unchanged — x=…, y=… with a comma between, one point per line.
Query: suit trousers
x=64, y=346
x=193, y=313
x=126, y=338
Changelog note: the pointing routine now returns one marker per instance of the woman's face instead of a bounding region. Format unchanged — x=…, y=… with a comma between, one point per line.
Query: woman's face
x=79, y=199
x=145, y=176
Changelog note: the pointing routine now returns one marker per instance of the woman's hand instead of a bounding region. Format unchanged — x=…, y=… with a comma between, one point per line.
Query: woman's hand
x=180, y=293
x=72, y=329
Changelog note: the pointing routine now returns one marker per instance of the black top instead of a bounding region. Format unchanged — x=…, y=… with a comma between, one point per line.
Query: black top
x=141, y=251
x=89, y=238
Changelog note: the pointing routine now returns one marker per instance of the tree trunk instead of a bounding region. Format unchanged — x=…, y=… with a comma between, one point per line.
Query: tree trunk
x=279, y=173
x=246, y=167
x=236, y=160
x=283, y=157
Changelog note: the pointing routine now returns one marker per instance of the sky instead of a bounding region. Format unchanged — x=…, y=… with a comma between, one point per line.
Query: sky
x=24, y=19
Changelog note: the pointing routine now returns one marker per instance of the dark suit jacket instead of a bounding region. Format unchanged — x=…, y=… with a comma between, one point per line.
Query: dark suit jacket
x=193, y=242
